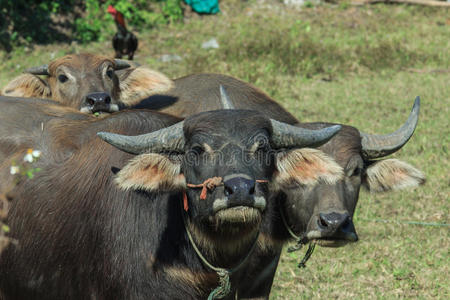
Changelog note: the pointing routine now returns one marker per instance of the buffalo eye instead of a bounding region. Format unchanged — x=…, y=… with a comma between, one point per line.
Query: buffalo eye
x=197, y=149
x=110, y=73
x=356, y=172
x=62, y=78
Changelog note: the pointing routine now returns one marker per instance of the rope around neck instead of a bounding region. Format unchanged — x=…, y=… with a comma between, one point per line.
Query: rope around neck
x=224, y=287
x=300, y=241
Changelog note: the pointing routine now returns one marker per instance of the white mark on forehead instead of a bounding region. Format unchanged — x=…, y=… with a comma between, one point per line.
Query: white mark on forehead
x=208, y=148
x=254, y=147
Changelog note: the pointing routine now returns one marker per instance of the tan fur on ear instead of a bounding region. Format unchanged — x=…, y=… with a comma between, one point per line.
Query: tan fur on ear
x=28, y=86
x=392, y=174
x=139, y=83
x=151, y=172
x=306, y=166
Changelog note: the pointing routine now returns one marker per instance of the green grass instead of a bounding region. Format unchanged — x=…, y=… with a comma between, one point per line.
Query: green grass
x=355, y=65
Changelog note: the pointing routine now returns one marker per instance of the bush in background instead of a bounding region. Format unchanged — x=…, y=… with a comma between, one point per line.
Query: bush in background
x=47, y=21
x=25, y=21
x=140, y=14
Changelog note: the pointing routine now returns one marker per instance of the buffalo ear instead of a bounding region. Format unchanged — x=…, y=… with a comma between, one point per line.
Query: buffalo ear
x=151, y=172
x=391, y=174
x=139, y=83
x=306, y=167
x=28, y=86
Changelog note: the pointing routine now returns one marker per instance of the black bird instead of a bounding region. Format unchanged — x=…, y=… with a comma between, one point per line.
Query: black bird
x=124, y=41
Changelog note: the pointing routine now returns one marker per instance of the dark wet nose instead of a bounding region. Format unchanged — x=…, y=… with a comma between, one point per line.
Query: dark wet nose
x=239, y=187
x=98, y=101
x=336, y=225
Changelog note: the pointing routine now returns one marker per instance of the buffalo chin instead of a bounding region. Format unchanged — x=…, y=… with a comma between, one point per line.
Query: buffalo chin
x=331, y=243
x=336, y=242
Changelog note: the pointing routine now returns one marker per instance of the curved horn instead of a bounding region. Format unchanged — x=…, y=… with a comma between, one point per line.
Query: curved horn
x=41, y=70
x=120, y=64
x=289, y=136
x=374, y=146
x=224, y=99
x=170, y=139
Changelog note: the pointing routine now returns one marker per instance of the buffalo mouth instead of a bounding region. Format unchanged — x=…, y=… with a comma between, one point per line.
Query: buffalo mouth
x=235, y=221
x=338, y=240
x=238, y=215
x=258, y=203
x=106, y=110
x=332, y=229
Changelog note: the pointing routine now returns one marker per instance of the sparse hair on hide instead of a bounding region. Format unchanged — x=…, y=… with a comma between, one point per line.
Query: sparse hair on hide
x=392, y=174
x=307, y=167
x=151, y=172
x=141, y=83
x=28, y=86
x=214, y=246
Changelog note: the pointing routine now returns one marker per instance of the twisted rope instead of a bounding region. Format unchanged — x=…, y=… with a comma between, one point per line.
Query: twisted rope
x=224, y=287
x=300, y=241
x=208, y=184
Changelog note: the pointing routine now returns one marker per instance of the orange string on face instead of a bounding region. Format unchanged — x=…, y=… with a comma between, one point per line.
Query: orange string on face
x=208, y=184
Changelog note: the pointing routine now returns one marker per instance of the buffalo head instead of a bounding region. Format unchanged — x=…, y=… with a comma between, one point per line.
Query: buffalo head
x=324, y=212
x=251, y=155
x=88, y=82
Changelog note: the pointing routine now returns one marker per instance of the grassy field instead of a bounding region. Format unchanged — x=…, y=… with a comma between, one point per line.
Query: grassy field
x=355, y=65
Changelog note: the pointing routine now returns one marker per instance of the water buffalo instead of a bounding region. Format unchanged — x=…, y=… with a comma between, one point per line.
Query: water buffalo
x=199, y=92
x=88, y=82
x=98, y=223
x=321, y=213
x=196, y=93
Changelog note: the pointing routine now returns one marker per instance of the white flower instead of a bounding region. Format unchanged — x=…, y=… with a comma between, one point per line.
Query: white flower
x=28, y=157
x=14, y=170
x=36, y=153
x=31, y=155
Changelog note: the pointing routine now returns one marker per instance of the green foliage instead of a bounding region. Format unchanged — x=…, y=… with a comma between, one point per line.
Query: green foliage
x=172, y=10
x=26, y=21
x=48, y=21
x=138, y=14
x=5, y=228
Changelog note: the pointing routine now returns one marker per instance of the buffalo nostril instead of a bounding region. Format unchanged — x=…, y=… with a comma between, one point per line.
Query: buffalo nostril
x=107, y=100
x=251, y=191
x=338, y=226
x=239, y=186
x=90, y=101
x=228, y=191
x=322, y=223
x=346, y=223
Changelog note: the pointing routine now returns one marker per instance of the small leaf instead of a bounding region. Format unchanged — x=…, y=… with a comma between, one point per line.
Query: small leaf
x=5, y=228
